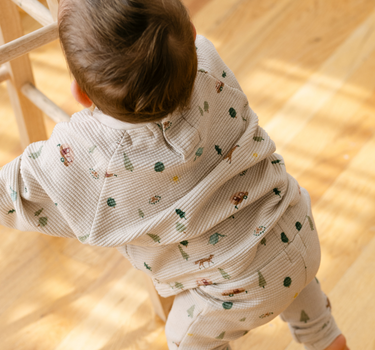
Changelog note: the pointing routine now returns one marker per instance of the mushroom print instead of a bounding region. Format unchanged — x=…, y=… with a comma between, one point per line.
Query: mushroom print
x=204, y=282
x=219, y=86
x=67, y=154
x=232, y=292
x=237, y=198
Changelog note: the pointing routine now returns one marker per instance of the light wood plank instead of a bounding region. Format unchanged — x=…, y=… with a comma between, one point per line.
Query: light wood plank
x=36, y=10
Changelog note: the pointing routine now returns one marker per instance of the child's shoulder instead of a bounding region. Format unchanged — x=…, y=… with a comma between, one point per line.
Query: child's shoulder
x=210, y=62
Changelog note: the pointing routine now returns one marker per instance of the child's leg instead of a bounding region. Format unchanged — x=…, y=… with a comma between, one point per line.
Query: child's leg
x=310, y=319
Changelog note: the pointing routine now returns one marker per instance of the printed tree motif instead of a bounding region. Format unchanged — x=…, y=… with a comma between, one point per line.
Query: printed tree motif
x=11, y=211
x=227, y=305
x=277, y=161
x=298, y=226
x=317, y=281
x=128, y=164
x=198, y=153
x=224, y=74
x=221, y=336
x=201, y=111
x=190, y=311
x=284, y=238
x=244, y=333
x=156, y=238
x=36, y=154
x=159, y=167
x=43, y=222
x=262, y=280
x=287, y=282
x=243, y=173
x=177, y=285
x=202, y=71
x=111, y=202
x=13, y=194
x=258, y=138
x=215, y=238
x=148, y=267
x=37, y=213
x=184, y=243
x=232, y=113
x=224, y=274
x=310, y=222
x=141, y=214
x=206, y=107
x=92, y=149
x=242, y=319
x=184, y=254
x=218, y=150
x=180, y=213
x=304, y=316
x=263, y=241
x=277, y=192
x=180, y=227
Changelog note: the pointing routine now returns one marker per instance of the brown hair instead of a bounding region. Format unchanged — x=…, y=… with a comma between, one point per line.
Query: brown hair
x=135, y=59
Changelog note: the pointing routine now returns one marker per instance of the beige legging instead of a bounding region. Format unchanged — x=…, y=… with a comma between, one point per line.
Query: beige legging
x=280, y=281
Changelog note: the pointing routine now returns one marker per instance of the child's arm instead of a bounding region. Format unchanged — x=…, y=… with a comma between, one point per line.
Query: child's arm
x=24, y=204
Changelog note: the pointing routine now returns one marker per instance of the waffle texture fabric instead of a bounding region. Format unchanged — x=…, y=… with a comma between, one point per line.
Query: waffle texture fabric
x=187, y=199
x=279, y=281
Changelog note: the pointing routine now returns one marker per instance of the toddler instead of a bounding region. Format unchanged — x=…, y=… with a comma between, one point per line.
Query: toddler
x=172, y=169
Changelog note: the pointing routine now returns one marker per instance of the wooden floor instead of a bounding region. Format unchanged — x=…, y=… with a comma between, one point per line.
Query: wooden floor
x=308, y=69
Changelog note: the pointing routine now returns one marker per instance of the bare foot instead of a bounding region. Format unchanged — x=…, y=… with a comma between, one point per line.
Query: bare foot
x=338, y=344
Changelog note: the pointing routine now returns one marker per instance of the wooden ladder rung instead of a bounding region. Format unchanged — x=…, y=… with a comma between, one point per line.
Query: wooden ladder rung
x=29, y=42
x=44, y=103
x=36, y=10
x=4, y=74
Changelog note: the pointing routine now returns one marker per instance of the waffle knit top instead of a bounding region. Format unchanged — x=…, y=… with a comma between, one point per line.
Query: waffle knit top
x=187, y=199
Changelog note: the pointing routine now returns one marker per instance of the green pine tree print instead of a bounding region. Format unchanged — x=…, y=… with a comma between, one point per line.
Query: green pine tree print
x=128, y=164
x=310, y=222
x=111, y=202
x=177, y=285
x=221, y=336
x=263, y=241
x=180, y=213
x=284, y=238
x=83, y=238
x=258, y=138
x=159, y=167
x=298, y=226
x=190, y=311
x=37, y=213
x=224, y=74
x=36, y=154
x=317, y=281
x=227, y=305
x=232, y=113
x=215, y=238
x=262, y=280
x=140, y=213
x=198, y=153
x=287, y=282
x=206, y=107
x=184, y=254
x=11, y=211
x=242, y=319
x=244, y=333
x=156, y=238
x=180, y=227
x=148, y=267
x=277, y=192
x=184, y=243
x=92, y=149
x=224, y=274
x=43, y=222
x=13, y=194
x=201, y=111
x=218, y=150
x=278, y=161
x=304, y=316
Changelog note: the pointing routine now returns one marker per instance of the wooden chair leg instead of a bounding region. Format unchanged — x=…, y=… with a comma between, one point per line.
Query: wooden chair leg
x=53, y=7
x=162, y=306
x=29, y=118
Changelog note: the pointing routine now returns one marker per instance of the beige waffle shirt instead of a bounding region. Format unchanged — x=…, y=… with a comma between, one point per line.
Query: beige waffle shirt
x=187, y=200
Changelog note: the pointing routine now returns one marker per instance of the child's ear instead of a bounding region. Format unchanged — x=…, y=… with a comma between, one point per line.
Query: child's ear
x=79, y=95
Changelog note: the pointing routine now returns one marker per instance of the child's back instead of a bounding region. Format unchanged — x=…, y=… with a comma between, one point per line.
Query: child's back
x=192, y=196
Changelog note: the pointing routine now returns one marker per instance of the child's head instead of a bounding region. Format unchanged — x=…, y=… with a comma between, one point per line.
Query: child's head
x=135, y=59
